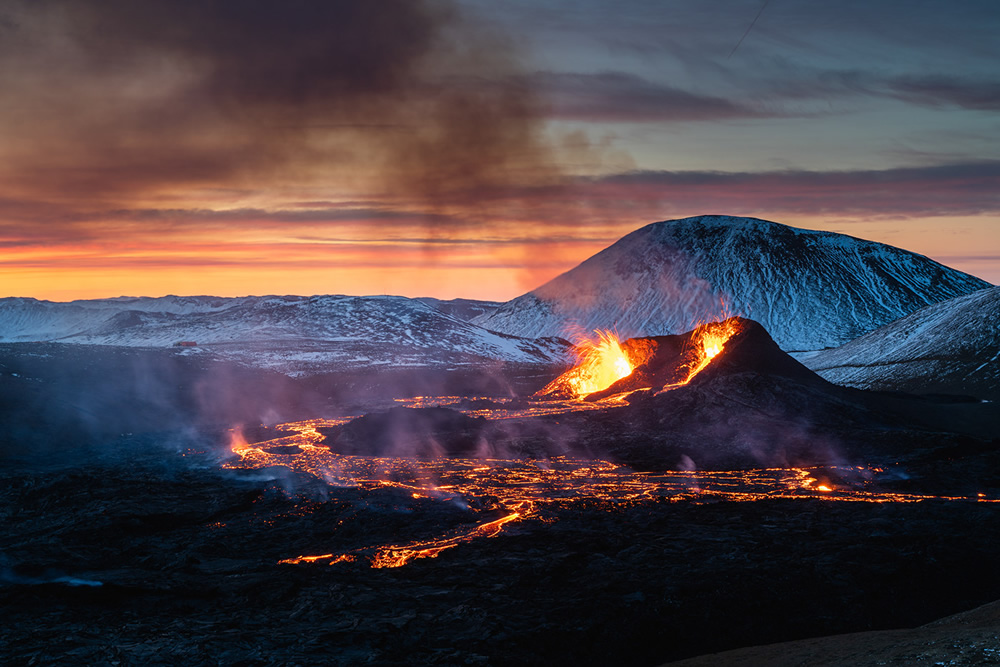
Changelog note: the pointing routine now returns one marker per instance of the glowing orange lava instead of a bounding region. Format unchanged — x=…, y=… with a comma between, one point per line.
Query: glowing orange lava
x=600, y=363
x=510, y=491
x=708, y=341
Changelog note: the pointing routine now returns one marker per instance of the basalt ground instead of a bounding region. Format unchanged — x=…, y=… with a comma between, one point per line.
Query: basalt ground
x=187, y=561
x=186, y=553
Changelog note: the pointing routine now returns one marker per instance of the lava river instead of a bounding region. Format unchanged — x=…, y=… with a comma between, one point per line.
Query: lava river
x=498, y=493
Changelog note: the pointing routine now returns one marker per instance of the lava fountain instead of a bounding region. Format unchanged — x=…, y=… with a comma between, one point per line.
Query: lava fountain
x=601, y=362
x=706, y=343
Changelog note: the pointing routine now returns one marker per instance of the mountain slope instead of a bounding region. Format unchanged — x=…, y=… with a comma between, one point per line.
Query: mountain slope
x=950, y=347
x=288, y=333
x=810, y=289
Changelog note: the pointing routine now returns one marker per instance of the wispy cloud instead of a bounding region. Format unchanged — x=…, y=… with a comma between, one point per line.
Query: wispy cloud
x=622, y=97
x=955, y=189
x=943, y=90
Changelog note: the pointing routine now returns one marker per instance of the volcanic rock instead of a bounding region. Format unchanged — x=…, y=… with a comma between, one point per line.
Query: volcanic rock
x=188, y=558
x=413, y=432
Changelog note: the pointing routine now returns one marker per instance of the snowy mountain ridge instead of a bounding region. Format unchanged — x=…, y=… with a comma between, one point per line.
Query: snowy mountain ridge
x=810, y=289
x=289, y=333
x=949, y=347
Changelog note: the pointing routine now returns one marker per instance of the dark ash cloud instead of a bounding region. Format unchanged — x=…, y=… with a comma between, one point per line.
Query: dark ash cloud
x=116, y=99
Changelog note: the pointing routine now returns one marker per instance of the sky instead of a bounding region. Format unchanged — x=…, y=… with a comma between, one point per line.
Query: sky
x=475, y=149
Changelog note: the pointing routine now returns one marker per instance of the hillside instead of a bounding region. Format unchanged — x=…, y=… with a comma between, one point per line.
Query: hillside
x=950, y=347
x=810, y=289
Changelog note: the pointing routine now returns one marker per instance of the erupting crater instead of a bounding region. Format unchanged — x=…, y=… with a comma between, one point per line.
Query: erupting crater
x=607, y=367
x=494, y=462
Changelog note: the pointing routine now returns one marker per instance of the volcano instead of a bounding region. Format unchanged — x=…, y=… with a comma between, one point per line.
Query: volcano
x=743, y=403
x=425, y=490
x=810, y=289
x=658, y=363
x=750, y=405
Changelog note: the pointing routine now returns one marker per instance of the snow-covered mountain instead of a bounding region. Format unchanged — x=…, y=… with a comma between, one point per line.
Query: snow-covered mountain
x=950, y=347
x=810, y=289
x=297, y=335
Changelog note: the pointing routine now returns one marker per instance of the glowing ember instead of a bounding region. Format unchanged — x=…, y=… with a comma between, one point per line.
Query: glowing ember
x=522, y=490
x=600, y=363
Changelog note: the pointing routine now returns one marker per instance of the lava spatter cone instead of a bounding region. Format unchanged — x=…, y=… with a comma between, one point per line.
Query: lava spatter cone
x=752, y=350
x=662, y=363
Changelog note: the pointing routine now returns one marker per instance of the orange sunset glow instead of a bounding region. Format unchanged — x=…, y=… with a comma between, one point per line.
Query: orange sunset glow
x=244, y=259
x=457, y=151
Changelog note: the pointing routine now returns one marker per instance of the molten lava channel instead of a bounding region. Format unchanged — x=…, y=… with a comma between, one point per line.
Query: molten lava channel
x=499, y=492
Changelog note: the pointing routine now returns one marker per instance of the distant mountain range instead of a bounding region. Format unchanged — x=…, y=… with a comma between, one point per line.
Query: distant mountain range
x=951, y=347
x=292, y=334
x=811, y=290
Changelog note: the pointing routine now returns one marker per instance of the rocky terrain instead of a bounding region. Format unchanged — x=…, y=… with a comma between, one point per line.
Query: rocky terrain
x=157, y=559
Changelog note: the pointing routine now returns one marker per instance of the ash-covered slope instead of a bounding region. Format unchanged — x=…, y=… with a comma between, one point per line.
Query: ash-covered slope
x=950, y=347
x=292, y=334
x=810, y=289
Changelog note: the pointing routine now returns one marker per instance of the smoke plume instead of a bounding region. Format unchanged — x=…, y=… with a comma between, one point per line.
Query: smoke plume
x=126, y=102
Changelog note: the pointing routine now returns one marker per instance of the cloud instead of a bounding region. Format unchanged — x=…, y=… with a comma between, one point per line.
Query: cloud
x=622, y=97
x=927, y=90
x=954, y=189
x=113, y=101
x=942, y=90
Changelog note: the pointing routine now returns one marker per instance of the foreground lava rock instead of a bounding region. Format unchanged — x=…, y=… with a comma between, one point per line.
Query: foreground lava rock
x=425, y=432
x=143, y=556
x=187, y=558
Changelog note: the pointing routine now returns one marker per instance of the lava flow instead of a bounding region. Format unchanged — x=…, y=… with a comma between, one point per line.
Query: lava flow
x=707, y=342
x=497, y=493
